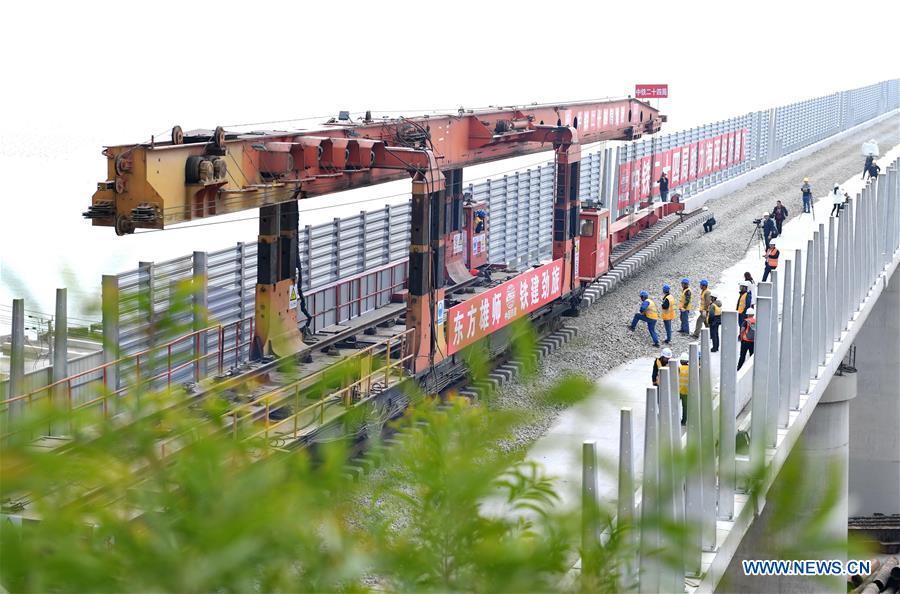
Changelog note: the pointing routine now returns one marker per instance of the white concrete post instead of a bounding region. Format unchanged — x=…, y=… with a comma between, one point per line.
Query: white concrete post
x=809, y=371
x=787, y=323
x=694, y=478
x=773, y=388
x=110, y=307
x=727, y=393
x=590, y=505
x=60, y=347
x=671, y=578
x=200, y=312
x=649, y=550
x=678, y=476
x=839, y=280
x=858, y=254
x=707, y=445
x=760, y=379
x=796, y=333
x=625, y=517
x=17, y=357
x=813, y=296
x=831, y=288
x=849, y=289
x=822, y=292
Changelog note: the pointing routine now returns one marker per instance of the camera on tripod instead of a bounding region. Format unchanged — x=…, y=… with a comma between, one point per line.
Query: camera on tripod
x=757, y=222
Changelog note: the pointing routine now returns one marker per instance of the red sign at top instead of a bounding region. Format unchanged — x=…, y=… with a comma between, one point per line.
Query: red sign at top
x=651, y=91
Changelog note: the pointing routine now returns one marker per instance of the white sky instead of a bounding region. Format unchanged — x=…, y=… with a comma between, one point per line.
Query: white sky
x=78, y=75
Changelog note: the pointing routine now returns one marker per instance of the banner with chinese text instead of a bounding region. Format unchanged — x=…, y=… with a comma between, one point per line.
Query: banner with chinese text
x=497, y=307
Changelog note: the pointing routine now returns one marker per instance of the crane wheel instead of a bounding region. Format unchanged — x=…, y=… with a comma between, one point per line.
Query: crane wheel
x=177, y=135
x=219, y=137
x=124, y=225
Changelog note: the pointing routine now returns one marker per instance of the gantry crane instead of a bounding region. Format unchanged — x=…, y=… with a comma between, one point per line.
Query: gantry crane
x=205, y=173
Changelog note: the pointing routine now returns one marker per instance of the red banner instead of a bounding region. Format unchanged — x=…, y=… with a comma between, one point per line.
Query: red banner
x=497, y=307
x=624, y=179
x=692, y=170
x=651, y=91
x=675, y=170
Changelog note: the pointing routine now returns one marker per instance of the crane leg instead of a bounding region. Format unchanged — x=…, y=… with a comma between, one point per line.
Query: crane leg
x=426, y=272
x=566, y=209
x=276, y=328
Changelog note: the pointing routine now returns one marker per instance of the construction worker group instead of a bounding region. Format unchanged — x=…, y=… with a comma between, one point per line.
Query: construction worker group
x=710, y=308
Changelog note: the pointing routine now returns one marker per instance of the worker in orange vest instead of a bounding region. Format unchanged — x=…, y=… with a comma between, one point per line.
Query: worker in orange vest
x=668, y=312
x=747, y=336
x=771, y=259
x=745, y=300
x=647, y=313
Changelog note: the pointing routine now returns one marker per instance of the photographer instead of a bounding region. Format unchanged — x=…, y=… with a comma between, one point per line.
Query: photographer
x=806, y=191
x=768, y=227
x=837, y=200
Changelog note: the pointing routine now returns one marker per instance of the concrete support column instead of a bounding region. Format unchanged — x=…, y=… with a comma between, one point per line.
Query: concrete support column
x=796, y=333
x=875, y=414
x=625, y=517
x=17, y=356
x=727, y=397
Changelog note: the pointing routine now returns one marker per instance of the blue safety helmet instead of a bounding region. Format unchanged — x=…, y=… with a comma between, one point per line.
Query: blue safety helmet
x=666, y=288
x=644, y=294
x=685, y=281
x=704, y=282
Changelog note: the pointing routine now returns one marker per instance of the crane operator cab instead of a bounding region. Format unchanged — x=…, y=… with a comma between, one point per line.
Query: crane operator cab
x=593, y=242
x=476, y=228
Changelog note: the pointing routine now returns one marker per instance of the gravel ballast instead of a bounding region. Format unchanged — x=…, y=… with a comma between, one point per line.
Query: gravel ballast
x=603, y=340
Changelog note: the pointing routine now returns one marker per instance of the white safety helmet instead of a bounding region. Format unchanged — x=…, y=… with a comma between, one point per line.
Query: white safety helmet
x=750, y=311
x=765, y=214
x=684, y=356
x=667, y=353
x=772, y=243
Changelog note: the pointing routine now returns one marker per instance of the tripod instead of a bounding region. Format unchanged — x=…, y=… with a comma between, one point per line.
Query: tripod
x=756, y=233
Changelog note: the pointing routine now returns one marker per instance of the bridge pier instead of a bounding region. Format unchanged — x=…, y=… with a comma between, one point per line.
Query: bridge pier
x=875, y=415
x=810, y=491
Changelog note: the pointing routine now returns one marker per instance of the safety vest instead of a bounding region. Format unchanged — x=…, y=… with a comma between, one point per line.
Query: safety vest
x=748, y=332
x=668, y=314
x=650, y=312
x=683, y=371
x=714, y=312
x=743, y=301
x=685, y=303
x=703, y=295
x=772, y=257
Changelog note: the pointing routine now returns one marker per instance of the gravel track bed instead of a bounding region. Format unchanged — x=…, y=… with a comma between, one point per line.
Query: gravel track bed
x=603, y=341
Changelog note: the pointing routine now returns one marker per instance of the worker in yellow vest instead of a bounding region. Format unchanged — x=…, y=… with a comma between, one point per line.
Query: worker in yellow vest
x=745, y=300
x=705, y=298
x=685, y=304
x=668, y=312
x=683, y=372
x=771, y=257
x=714, y=320
x=647, y=313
